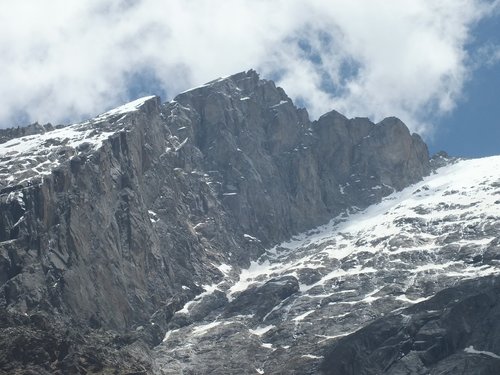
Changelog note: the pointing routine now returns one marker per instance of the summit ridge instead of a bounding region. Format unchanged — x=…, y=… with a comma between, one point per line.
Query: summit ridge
x=225, y=232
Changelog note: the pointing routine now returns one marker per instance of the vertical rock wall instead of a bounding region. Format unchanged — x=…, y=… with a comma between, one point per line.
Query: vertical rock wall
x=120, y=237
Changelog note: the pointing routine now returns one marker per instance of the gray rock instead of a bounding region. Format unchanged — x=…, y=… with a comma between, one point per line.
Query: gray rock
x=113, y=235
x=454, y=332
x=259, y=301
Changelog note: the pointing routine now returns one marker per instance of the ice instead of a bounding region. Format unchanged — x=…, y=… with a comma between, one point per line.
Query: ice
x=370, y=297
x=21, y=219
x=338, y=253
x=16, y=196
x=433, y=267
x=357, y=270
x=33, y=153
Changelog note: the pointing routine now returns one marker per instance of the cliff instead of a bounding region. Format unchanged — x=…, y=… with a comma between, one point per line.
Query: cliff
x=109, y=227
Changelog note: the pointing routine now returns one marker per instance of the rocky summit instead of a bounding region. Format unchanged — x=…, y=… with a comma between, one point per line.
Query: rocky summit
x=224, y=232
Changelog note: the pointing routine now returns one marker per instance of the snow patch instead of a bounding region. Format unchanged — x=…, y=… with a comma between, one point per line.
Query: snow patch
x=153, y=217
x=251, y=238
x=209, y=289
x=280, y=103
x=225, y=268
x=181, y=145
x=168, y=334
x=303, y=316
x=126, y=108
x=404, y=298
x=37, y=155
x=471, y=350
x=201, y=330
x=259, y=331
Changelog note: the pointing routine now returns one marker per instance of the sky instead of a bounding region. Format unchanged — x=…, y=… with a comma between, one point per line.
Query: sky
x=434, y=64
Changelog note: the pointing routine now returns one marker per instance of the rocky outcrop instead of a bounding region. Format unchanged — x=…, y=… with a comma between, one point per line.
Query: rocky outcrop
x=112, y=225
x=39, y=344
x=455, y=332
x=279, y=173
x=260, y=301
x=32, y=129
x=301, y=300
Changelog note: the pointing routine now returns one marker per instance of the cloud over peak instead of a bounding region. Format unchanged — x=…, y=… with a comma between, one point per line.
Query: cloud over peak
x=65, y=60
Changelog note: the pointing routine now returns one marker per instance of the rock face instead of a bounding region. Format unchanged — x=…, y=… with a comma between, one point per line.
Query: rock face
x=278, y=173
x=112, y=230
x=455, y=332
x=356, y=296
x=35, y=128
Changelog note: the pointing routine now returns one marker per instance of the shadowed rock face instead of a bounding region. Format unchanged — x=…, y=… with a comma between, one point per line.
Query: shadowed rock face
x=279, y=173
x=288, y=310
x=110, y=226
x=455, y=332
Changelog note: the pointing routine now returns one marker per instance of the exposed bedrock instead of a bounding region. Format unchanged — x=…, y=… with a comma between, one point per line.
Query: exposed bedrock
x=116, y=233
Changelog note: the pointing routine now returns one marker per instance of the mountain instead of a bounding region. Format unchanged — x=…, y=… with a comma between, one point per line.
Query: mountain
x=371, y=292
x=224, y=232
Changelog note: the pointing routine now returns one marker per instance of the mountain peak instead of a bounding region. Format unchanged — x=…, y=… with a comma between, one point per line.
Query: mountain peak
x=244, y=86
x=47, y=147
x=141, y=225
x=139, y=104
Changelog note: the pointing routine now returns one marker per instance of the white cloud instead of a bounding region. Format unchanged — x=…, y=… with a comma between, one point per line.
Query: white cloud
x=64, y=60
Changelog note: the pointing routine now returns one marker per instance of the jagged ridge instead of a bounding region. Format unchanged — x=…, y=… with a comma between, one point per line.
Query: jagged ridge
x=131, y=213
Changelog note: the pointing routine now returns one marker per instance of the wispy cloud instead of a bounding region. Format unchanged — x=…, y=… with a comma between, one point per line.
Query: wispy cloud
x=65, y=60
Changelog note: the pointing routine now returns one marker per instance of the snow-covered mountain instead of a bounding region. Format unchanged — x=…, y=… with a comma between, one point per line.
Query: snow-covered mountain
x=29, y=157
x=165, y=238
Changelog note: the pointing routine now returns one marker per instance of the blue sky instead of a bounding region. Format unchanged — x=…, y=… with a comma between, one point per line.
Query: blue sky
x=473, y=128
x=434, y=64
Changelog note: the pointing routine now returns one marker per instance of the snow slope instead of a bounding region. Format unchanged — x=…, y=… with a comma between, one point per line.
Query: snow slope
x=22, y=159
x=361, y=266
x=453, y=206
